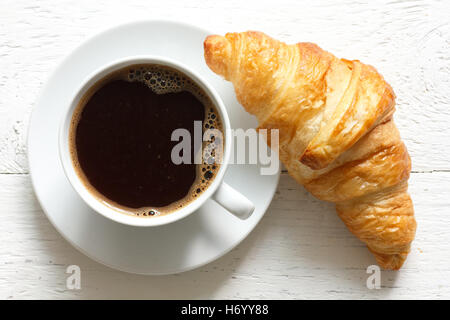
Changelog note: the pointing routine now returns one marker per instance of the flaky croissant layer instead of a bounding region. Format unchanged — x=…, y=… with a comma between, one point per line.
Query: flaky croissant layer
x=337, y=136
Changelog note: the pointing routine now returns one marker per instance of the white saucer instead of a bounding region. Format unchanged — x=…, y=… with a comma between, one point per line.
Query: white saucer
x=194, y=241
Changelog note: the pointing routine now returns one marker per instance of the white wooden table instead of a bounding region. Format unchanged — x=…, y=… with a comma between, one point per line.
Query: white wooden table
x=300, y=249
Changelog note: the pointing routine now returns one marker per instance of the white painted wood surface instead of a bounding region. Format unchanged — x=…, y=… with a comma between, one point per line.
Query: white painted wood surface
x=300, y=249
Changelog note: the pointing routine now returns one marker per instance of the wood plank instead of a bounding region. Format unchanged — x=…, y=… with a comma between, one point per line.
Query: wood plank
x=299, y=250
x=407, y=41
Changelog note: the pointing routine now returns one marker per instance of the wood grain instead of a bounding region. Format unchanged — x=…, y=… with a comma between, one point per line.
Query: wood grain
x=300, y=249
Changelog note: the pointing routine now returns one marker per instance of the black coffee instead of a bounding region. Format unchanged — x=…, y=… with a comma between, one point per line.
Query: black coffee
x=121, y=139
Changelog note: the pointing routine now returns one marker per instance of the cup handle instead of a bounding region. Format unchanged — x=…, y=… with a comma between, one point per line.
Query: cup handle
x=233, y=201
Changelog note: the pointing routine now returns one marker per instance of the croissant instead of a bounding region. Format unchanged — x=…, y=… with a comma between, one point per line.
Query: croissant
x=337, y=137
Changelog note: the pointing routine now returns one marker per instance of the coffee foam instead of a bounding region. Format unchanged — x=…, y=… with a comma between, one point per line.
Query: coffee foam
x=161, y=80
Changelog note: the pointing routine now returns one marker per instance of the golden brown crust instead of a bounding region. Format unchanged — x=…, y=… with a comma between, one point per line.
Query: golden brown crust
x=337, y=137
x=384, y=221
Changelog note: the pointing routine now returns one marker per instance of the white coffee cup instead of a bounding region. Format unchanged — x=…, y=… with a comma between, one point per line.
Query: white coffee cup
x=219, y=191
